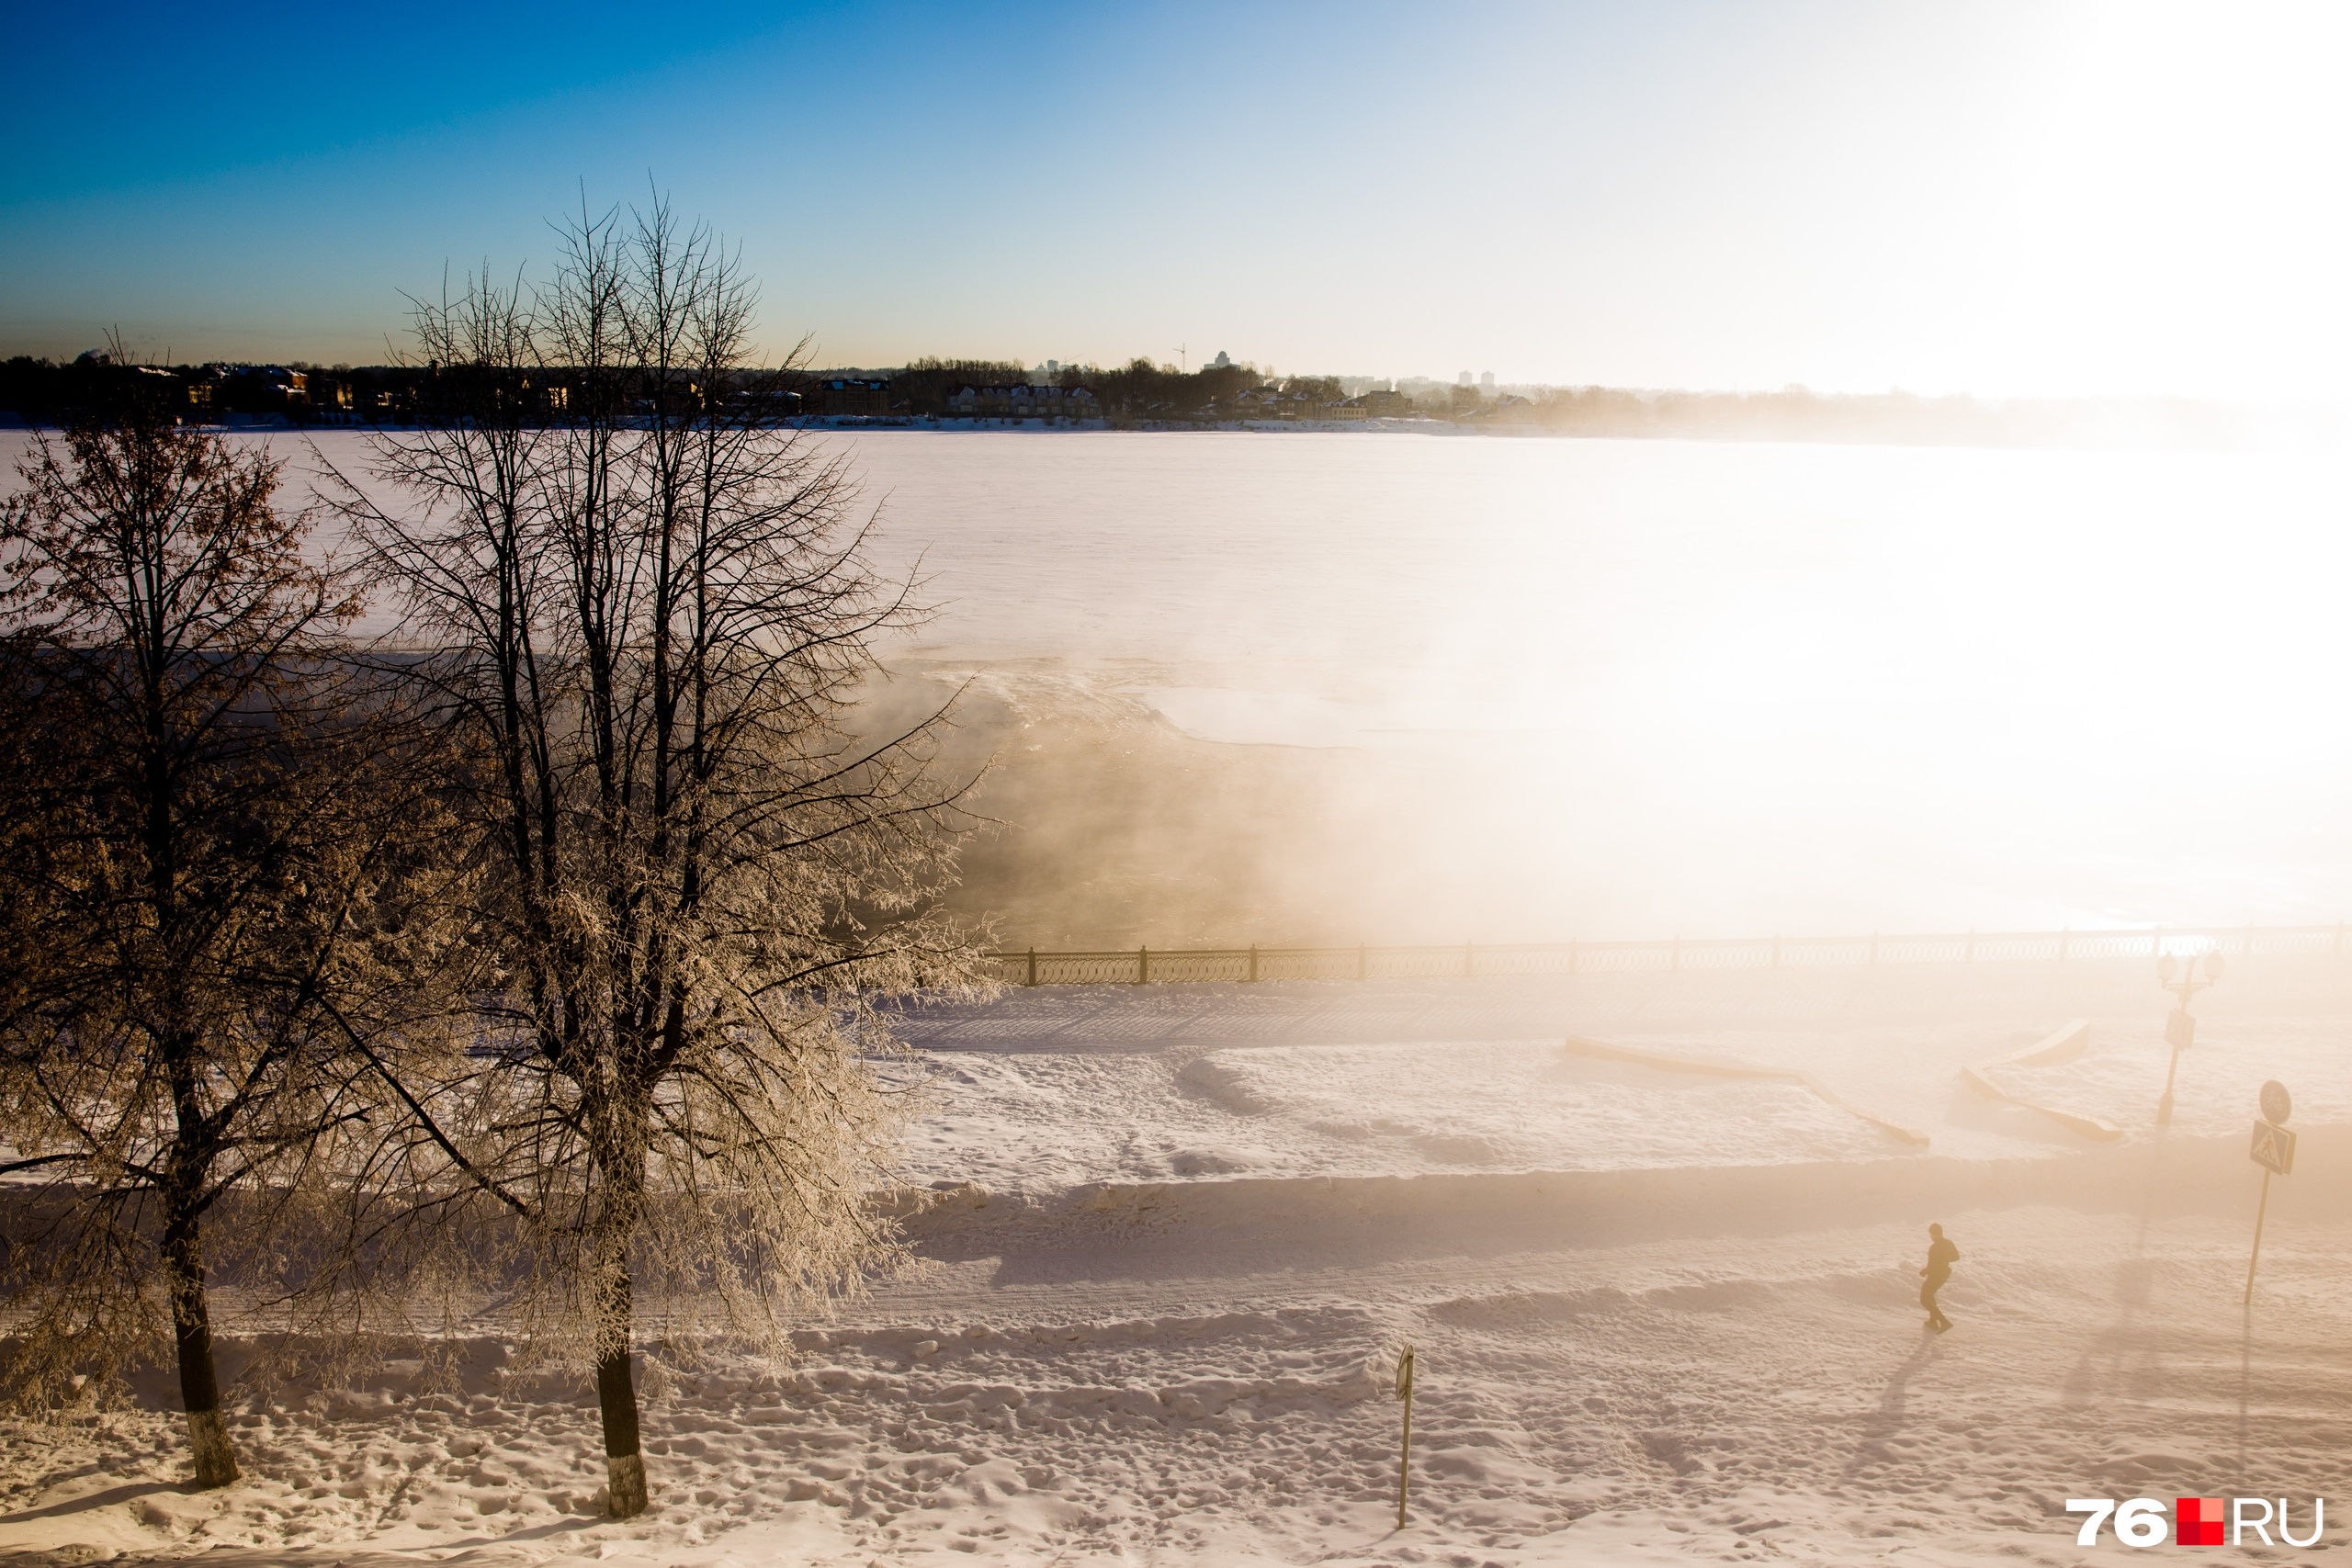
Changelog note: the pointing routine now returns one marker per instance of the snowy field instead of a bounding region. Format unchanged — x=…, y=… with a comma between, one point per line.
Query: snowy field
x=1661, y=1317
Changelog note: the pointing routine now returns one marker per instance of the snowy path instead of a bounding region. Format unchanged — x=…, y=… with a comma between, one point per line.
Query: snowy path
x=1630, y=1352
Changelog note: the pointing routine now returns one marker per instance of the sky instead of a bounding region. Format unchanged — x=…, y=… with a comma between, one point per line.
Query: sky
x=2032, y=198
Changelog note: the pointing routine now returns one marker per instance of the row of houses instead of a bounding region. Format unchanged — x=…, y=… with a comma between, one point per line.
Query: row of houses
x=1269, y=402
x=1272, y=403
x=852, y=395
x=1024, y=400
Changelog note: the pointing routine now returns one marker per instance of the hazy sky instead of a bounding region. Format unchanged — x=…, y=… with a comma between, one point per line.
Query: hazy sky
x=2027, y=197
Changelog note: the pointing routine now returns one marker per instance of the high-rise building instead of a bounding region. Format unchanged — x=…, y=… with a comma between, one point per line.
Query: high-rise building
x=1486, y=381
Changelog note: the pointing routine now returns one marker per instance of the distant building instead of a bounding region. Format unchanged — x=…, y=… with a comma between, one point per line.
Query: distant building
x=1271, y=402
x=845, y=395
x=1219, y=363
x=1485, y=380
x=329, y=403
x=1379, y=402
x=259, y=389
x=1461, y=378
x=775, y=402
x=1352, y=408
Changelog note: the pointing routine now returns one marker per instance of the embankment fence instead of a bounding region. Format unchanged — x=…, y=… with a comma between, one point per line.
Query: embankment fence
x=1146, y=965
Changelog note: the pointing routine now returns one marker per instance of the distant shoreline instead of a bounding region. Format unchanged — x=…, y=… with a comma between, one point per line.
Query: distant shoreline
x=2309, y=434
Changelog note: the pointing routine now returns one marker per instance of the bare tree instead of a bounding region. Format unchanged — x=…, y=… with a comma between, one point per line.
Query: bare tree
x=201, y=839
x=648, y=614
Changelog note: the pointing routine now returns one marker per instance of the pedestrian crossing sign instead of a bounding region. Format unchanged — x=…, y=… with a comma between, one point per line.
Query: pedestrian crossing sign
x=2274, y=1149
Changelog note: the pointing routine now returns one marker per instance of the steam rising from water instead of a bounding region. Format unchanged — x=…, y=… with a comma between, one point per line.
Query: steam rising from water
x=1584, y=687
x=1305, y=688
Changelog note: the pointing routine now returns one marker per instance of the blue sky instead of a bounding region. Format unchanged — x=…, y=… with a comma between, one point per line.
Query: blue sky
x=1999, y=197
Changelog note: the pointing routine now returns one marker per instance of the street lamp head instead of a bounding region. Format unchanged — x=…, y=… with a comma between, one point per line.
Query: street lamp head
x=2213, y=965
x=2165, y=969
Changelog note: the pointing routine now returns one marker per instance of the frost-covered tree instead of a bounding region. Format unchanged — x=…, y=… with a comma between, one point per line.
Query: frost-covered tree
x=644, y=609
x=202, y=834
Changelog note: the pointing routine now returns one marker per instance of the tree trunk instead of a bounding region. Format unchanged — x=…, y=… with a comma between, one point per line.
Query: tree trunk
x=616, y=1390
x=208, y=1434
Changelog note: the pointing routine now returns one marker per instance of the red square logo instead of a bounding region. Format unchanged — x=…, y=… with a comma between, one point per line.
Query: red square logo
x=2197, y=1521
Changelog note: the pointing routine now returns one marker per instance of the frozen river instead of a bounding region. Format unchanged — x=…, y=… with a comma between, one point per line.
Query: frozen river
x=1560, y=688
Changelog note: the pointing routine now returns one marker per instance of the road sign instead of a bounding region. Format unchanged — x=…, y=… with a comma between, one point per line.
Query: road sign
x=2274, y=1151
x=2274, y=1147
x=2180, y=1029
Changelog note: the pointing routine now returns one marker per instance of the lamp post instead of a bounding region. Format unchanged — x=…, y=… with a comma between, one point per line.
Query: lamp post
x=2180, y=977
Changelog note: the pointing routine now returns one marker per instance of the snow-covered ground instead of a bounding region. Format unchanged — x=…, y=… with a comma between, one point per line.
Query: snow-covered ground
x=1182, y=1230
x=1039, y=1123
x=1067, y=1085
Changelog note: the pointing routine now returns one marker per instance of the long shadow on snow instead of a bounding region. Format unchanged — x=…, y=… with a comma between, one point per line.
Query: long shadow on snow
x=1227, y=1229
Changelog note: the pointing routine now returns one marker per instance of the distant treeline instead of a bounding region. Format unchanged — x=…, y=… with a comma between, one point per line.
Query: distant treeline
x=1141, y=393
x=1138, y=389
x=42, y=392
x=103, y=385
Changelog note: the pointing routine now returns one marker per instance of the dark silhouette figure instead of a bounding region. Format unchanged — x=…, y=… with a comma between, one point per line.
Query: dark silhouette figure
x=1942, y=1256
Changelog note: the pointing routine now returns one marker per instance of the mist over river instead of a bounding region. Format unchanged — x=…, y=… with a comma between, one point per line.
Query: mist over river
x=1621, y=688
x=1397, y=688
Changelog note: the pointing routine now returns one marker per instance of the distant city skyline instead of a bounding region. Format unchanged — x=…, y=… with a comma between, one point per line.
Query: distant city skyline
x=2071, y=198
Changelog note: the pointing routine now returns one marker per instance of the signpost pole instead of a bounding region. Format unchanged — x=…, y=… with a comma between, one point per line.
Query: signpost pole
x=1405, y=1453
x=2274, y=1150
x=2260, y=1208
x=2180, y=1028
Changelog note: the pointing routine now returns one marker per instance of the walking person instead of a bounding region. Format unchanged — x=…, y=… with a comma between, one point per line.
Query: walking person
x=1942, y=1256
